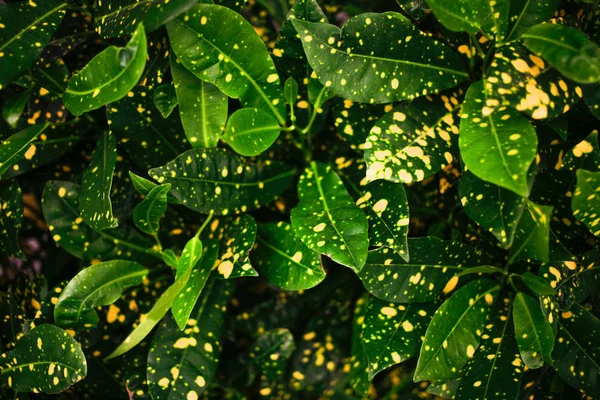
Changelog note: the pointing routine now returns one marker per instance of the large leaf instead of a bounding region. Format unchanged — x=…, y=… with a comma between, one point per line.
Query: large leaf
x=585, y=155
x=533, y=332
x=11, y=213
x=109, y=76
x=206, y=41
x=284, y=260
x=98, y=285
x=498, y=146
x=96, y=207
x=470, y=15
x=532, y=235
x=217, y=180
x=586, y=200
x=429, y=274
x=19, y=145
x=148, y=213
x=47, y=359
x=26, y=28
x=202, y=107
x=567, y=49
x=525, y=14
x=357, y=65
x=251, y=131
x=455, y=330
x=327, y=220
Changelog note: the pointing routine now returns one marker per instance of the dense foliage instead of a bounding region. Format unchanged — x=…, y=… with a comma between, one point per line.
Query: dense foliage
x=352, y=199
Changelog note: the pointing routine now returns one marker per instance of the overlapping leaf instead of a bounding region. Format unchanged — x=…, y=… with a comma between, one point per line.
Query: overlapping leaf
x=532, y=331
x=586, y=200
x=11, y=214
x=525, y=14
x=165, y=99
x=19, y=145
x=585, y=155
x=470, y=16
x=532, y=234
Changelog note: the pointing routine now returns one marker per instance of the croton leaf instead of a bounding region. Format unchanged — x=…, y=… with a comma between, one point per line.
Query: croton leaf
x=327, y=220
x=525, y=14
x=98, y=285
x=46, y=359
x=148, y=213
x=498, y=146
x=532, y=234
x=202, y=107
x=585, y=155
x=145, y=186
x=11, y=213
x=469, y=15
x=538, y=285
x=109, y=76
x=357, y=65
x=251, y=131
x=359, y=362
x=26, y=28
x=392, y=333
x=206, y=39
x=455, y=331
x=586, y=200
x=217, y=180
x=354, y=120
x=19, y=145
x=165, y=99
x=284, y=260
x=271, y=351
x=290, y=91
x=533, y=332
x=14, y=107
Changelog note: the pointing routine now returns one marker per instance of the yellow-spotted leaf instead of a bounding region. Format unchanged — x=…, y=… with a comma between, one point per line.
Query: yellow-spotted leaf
x=586, y=200
x=144, y=186
x=354, y=120
x=532, y=235
x=148, y=213
x=471, y=15
x=251, y=131
x=358, y=364
x=532, y=331
x=585, y=155
x=20, y=145
x=11, y=214
x=525, y=14
x=271, y=352
x=497, y=146
x=165, y=99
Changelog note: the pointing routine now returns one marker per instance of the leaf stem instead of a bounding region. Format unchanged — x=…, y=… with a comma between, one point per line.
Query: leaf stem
x=157, y=239
x=210, y=215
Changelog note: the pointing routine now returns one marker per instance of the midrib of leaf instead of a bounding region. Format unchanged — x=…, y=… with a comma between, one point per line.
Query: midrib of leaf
x=460, y=17
x=28, y=143
x=418, y=265
x=489, y=377
x=252, y=130
x=229, y=183
x=528, y=2
x=275, y=249
x=21, y=366
x=28, y=27
x=103, y=181
x=545, y=39
x=578, y=345
x=435, y=125
x=525, y=242
x=535, y=332
x=203, y=112
x=51, y=79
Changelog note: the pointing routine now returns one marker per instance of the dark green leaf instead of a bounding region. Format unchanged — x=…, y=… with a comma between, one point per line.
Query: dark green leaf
x=525, y=14
x=354, y=120
x=271, y=351
x=11, y=213
x=538, y=285
x=586, y=200
x=13, y=108
x=19, y=145
x=585, y=155
x=532, y=234
x=148, y=213
x=359, y=363
x=165, y=99
x=469, y=15
x=145, y=186
x=251, y=131
x=533, y=332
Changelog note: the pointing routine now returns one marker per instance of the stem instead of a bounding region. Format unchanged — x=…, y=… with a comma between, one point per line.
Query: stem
x=477, y=46
x=210, y=215
x=157, y=239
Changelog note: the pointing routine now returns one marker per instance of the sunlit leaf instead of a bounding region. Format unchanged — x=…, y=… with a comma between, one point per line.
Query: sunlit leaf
x=251, y=131
x=148, y=213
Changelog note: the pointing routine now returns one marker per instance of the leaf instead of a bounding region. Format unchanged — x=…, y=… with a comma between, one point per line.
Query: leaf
x=414, y=140
x=14, y=107
x=533, y=332
x=206, y=41
x=290, y=91
x=251, y=131
x=585, y=204
x=170, y=258
x=327, y=220
x=576, y=356
x=391, y=333
x=144, y=187
x=468, y=15
x=165, y=99
x=148, y=213
x=46, y=359
x=217, y=180
x=284, y=260
x=118, y=20
x=532, y=234
x=354, y=120
x=182, y=364
x=538, y=285
x=96, y=207
x=525, y=14
x=191, y=254
x=566, y=49
x=19, y=145
x=585, y=155
x=495, y=209
x=202, y=107
x=372, y=70
x=429, y=274
x=497, y=147
x=108, y=77
x=11, y=214
x=27, y=27
x=271, y=351
x=98, y=285
x=358, y=362
x=455, y=331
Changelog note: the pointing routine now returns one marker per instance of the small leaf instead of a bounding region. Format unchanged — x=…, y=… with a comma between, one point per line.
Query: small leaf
x=98, y=285
x=165, y=99
x=148, y=213
x=532, y=234
x=191, y=254
x=538, y=285
x=145, y=186
x=586, y=200
x=108, y=77
x=14, y=107
x=11, y=214
x=290, y=91
x=533, y=333
x=170, y=258
x=525, y=14
x=358, y=362
x=251, y=131
x=19, y=145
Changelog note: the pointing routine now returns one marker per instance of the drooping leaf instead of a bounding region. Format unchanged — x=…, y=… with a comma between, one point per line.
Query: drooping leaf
x=455, y=331
x=14, y=107
x=26, y=28
x=109, y=76
x=284, y=260
x=251, y=131
x=375, y=70
x=470, y=16
x=165, y=99
x=532, y=331
x=498, y=146
x=19, y=145
x=525, y=14
x=271, y=351
x=217, y=180
x=202, y=107
x=46, y=359
x=532, y=234
x=148, y=213
x=585, y=155
x=98, y=285
x=11, y=214
x=206, y=39
x=586, y=200
x=145, y=186
x=327, y=220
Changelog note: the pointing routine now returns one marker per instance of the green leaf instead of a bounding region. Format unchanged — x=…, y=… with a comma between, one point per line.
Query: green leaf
x=284, y=260
x=11, y=213
x=498, y=146
x=182, y=364
x=165, y=99
x=170, y=258
x=327, y=220
x=429, y=274
x=533, y=332
x=96, y=207
x=26, y=28
x=586, y=200
x=391, y=333
x=538, y=285
x=145, y=186
x=358, y=362
x=290, y=91
x=148, y=213
x=202, y=107
x=14, y=107
x=455, y=330
x=206, y=40
x=251, y=131
x=354, y=120
x=118, y=19
x=469, y=15
x=271, y=351
x=46, y=359
x=98, y=285
x=414, y=140
x=495, y=209
x=576, y=354
x=357, y=65
x=532, y=234
x=566, y=49
x=191, y=254
x=108, y=77
x=585, y=155
x=525, y=14
x=19, y=145
x=217, y=180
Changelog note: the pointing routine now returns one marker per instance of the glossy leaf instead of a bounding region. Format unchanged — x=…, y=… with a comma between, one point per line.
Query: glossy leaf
x=98, y=285
x=538, y=285
x=251, y=131
x=109, y=76
x=469, y=15
x=290, y=91
x=19, y=145
x=284, y=260
x=14, y=107
x=165, y=99
x=585, y=155
x=532, y=235
x=327, y=220
x=532, y=331
x=217, y=180
x=11, y=214
x=145, y=186
x=148, y=213
x=358, y=362
x=586, y=200
x=525, y=14
x=191, y=254
x=354, y=120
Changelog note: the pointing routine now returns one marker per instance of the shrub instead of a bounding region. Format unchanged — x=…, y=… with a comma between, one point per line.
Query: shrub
x=403, y=207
